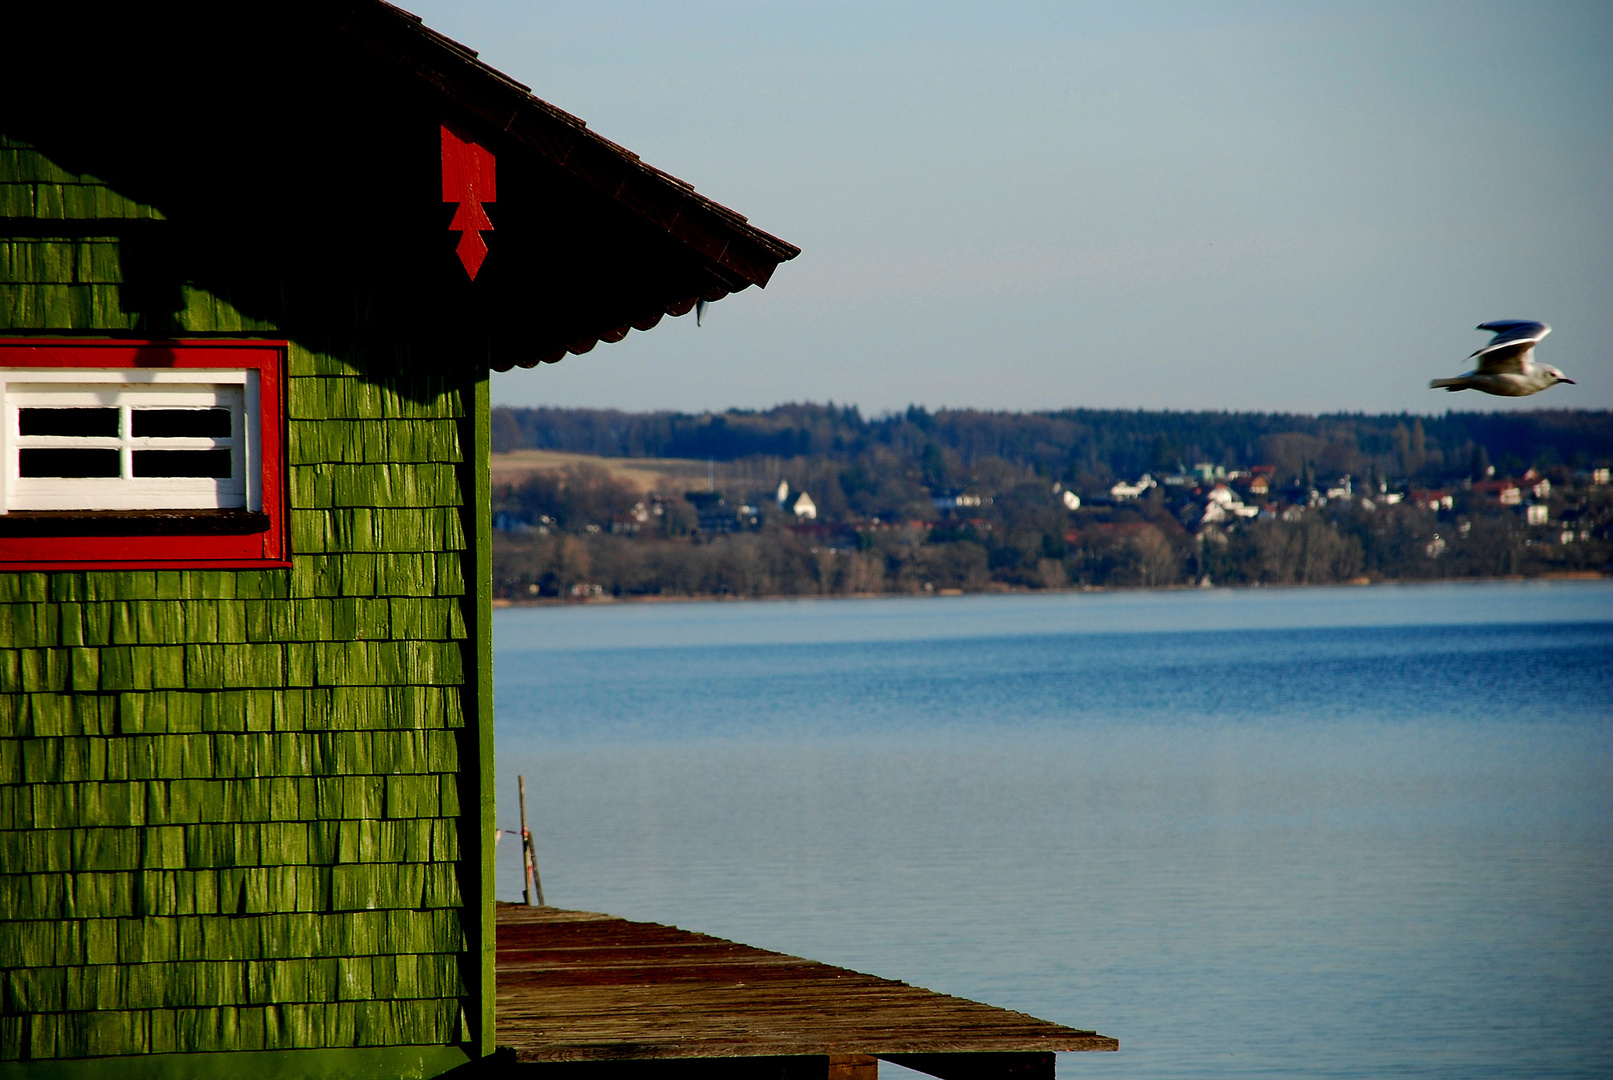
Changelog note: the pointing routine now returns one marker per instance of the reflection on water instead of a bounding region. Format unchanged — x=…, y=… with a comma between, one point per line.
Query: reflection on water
x=1313, y=832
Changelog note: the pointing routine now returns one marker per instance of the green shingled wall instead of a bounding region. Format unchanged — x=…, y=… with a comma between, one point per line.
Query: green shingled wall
x=230, y=801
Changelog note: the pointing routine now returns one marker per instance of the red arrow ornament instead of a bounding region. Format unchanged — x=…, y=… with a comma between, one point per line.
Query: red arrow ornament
x=468, y=179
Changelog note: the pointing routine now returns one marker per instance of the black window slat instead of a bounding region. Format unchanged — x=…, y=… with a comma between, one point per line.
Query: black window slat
x=67, y=463
x=182, y=463
x=71, y=423
x=180, y=423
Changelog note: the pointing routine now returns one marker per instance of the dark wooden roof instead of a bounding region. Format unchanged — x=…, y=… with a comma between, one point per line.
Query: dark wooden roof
x=735, y=253
x=746, y=254
x=290, y=158
x=577, y=986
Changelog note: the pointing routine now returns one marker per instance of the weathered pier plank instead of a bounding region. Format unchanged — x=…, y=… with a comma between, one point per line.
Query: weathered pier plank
x=578, y=987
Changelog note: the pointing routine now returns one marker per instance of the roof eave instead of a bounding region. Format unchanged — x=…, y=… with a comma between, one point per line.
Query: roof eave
x=745, y=254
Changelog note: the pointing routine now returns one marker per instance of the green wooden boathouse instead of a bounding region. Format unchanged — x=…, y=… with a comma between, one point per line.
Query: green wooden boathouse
x=256, y=263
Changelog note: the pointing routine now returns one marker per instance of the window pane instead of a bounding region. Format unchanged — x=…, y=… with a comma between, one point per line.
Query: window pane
x=67, y=463
x=213, y=463
x=180, y=423
x=82, y=423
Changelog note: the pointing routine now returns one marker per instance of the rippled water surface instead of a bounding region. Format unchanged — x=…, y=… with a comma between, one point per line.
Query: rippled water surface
x=1328, y=832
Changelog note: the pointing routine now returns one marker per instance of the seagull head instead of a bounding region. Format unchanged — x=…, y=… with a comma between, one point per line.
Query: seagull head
x=1558, y=376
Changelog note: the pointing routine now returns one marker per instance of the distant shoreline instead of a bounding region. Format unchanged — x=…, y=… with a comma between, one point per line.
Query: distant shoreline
x=579, y=601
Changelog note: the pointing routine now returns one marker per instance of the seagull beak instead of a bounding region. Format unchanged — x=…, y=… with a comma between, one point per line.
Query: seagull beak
x=1570, y=382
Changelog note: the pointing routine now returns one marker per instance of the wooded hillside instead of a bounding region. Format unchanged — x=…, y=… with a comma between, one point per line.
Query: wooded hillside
x=962, y=499
x=1105, y=443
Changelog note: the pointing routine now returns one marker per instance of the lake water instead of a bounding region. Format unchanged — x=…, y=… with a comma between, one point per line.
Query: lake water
x=1317, y=832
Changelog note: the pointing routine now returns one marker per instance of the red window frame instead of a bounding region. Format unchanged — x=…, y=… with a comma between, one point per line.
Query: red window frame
x=103, y=547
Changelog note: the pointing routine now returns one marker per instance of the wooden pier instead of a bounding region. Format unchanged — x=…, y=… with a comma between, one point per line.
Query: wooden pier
x=582, y=994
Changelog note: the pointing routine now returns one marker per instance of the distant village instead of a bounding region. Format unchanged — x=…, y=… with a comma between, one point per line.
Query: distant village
x=873, y=519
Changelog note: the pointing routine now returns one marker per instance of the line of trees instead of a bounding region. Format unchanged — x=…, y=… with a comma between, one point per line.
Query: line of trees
x=1424, y=502
x=1103, y=443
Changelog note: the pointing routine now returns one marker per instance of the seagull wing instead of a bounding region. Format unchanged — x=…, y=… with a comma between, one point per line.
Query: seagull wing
x=1508, y=353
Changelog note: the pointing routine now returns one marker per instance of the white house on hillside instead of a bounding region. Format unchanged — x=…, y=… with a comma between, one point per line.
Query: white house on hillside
x=1223, y=503
x=805, y=508
x=1124, y=490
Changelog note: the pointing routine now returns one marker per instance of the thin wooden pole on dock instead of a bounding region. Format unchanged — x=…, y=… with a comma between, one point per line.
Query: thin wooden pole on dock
x=529, y=854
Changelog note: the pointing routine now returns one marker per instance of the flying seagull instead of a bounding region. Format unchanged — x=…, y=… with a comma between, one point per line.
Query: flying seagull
x=1506, y=366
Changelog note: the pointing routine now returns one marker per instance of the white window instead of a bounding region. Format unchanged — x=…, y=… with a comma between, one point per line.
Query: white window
x=129, y=439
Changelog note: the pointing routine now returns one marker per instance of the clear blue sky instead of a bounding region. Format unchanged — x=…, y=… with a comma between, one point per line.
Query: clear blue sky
x=1294, y=206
